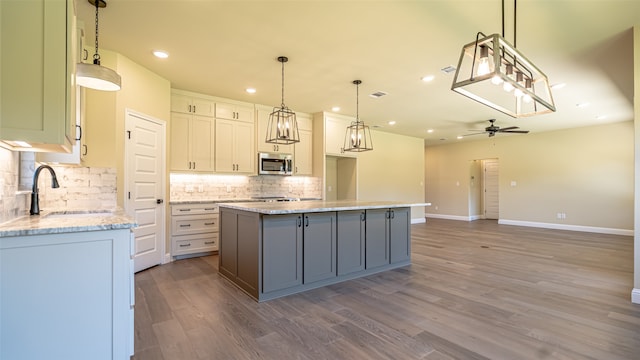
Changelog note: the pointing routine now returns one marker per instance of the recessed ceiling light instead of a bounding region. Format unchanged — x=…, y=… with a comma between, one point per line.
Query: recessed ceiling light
x=583, y=105
x=459, y=137
x=160, y=54
x=251, y=90
x=430, y=131
x=335, y=108
x=601, y=117
x=558, y=86
x=391, y=122
x=427, y=78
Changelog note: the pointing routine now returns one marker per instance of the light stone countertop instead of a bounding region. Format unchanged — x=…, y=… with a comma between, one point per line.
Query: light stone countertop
x=296, y=207
x=67, y=221
x=216, y=201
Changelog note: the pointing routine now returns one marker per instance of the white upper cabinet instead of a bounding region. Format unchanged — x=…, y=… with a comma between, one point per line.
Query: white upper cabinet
x=37, y=67
x=232, y=111
x=335, y=129
x=235, y=150
x=192, y=105
x=303, y=150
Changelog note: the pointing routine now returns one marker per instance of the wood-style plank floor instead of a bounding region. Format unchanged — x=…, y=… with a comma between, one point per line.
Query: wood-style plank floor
x=475, y=290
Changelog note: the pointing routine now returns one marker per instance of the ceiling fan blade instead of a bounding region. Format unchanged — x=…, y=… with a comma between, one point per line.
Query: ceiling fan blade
x=516, y=131
x=509, y=128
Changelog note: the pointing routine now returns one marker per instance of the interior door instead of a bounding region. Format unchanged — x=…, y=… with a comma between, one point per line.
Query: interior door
x=145, y=186
x=491, y=189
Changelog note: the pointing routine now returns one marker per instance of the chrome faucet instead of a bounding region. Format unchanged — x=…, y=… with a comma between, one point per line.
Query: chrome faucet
x=35, y=201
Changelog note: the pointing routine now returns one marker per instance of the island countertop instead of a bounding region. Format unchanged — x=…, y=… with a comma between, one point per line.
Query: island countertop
x=296, y=207
x=66, y=221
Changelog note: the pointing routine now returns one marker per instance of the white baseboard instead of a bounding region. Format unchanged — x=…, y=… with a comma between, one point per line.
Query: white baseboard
x=167, y=259
x=475, y=217
x=592, y=229
x=448, y=217
x=418, y=221
x=635, y=296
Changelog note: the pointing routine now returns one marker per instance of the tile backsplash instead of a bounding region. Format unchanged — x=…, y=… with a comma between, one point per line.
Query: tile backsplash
x=80, y=187
x=185, y=187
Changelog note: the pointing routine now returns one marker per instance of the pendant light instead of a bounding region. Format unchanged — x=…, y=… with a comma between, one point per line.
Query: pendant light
x=493, y=72
x=95, y=76
x=282, y=127
x=358, y=136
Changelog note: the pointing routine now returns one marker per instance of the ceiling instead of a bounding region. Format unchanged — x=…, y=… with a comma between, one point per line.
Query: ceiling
x=221, y=48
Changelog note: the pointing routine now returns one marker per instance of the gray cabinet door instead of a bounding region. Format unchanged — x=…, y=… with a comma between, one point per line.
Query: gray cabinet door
x=281, y=252
x=228, y=258
x=399, y=234
x=350, y=238
x=248, y=251
x=376, y=238
x=319, y=246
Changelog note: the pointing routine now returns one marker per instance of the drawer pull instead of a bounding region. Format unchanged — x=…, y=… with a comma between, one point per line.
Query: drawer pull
x=185, y=225
x=185, y=245
x=184, y=209
x=211, y=223
x=210, y=209
x=209, y=242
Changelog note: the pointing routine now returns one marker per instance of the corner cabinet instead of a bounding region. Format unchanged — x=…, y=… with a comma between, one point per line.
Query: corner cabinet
x=37, y=68
x=67, y=296
x=235, y=140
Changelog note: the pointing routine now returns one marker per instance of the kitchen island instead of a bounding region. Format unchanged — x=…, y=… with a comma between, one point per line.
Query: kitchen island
x=275, y=249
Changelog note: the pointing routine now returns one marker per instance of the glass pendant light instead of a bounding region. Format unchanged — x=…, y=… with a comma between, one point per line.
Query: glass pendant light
x=358, y=136
x=95, y=76
x=282, y=127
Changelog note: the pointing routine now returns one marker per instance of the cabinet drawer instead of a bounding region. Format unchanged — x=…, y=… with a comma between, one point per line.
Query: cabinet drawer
x=189, y=244
x=197, y=224
x=194, y=209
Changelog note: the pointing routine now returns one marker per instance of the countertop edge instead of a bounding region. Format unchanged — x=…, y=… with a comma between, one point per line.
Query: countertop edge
x=279, y=208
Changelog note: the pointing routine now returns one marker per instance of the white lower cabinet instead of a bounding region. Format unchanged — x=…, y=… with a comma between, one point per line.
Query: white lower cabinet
x=67, y=296
x=194, y=229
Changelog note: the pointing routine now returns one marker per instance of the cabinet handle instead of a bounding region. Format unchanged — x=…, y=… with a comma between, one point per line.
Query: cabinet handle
x=79, y=132
x=208, y=209
x=185, y=225
x=185, y=245
x=362, y=217
x=86, y=149
x=189, y=108
x=296, y=169
x=184, y=209
x=299, y=221
x=393, y=214
x=85, y=54
x=306, y=221
x=211, y=223
x=209, y=242
x=194, y=165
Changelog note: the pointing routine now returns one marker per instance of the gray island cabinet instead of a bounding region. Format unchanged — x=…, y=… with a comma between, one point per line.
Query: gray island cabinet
x=271, y=250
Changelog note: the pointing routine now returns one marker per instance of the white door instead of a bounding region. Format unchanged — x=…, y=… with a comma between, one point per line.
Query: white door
x=145, y=186
x=491, y=189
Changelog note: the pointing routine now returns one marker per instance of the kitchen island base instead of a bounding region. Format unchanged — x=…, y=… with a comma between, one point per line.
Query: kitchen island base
x=274, y=255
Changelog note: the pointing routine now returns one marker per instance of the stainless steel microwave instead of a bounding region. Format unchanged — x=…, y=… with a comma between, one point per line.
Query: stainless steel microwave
x=275, y=164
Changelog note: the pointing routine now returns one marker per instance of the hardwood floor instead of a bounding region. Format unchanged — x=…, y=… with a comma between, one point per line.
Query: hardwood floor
x=475, y=290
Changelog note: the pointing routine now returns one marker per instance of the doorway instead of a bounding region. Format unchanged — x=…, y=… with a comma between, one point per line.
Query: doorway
x=484, y=189
x=145, y=186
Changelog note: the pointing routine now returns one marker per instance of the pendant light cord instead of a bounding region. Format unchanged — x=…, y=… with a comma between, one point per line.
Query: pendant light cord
x=357, y=102
x=96, y=56
x=515, y=12
x=282, y=104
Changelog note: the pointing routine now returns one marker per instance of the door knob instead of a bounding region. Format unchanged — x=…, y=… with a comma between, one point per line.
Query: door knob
x=159, y=201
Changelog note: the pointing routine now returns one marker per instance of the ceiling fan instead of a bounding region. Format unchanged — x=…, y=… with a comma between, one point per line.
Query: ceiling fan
x=493, y=129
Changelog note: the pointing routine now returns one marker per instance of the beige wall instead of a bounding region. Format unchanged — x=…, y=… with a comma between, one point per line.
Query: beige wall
x=393, y=170
x=636, y=102
x=142, y=91
x=586, y=173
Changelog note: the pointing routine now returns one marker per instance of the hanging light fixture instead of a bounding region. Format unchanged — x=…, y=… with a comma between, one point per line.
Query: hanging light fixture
x=282, y=127
x=95, y=76
x=358, y=136
x=494, y=73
